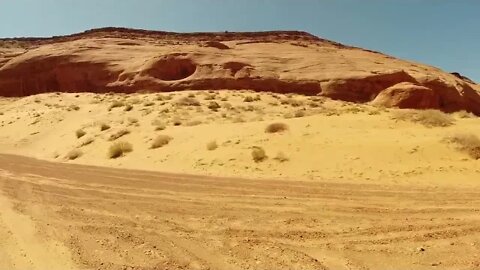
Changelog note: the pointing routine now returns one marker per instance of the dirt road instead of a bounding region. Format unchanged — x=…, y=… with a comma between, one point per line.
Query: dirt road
x=57, y=216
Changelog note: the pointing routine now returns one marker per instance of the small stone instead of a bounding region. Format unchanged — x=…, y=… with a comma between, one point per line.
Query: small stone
x=420, y=249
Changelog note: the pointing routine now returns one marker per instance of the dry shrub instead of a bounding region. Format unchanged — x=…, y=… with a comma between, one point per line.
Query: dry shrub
x=468, y=143
x=281, y=157
x=464, y=114
x=276, y=127
x=248, y=99
x=176, y=121
x=193, y=123
x=258, y=154
x=119, y=149
x=132, y=121
x=161, y=140
x=118, y=134
x=74, y=154
x=428, y=118
x=73, y=108
x=148, y=103
x=188, y=101
x=212, y=145
x=116, y=104
x=292, y=102
x=211, y=96
x=128, y=108
x=214, y=106
x=299, y=114
x=87, y=141
x=104, y=126
x=80, y=133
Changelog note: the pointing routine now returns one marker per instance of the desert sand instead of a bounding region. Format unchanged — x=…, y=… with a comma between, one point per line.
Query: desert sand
x=275, y=150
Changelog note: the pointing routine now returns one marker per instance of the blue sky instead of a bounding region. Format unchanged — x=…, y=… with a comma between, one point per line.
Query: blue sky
x=444, y=33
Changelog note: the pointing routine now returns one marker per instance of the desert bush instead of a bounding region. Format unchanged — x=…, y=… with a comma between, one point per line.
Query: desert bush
x=281, y=157
x=80, y=133
x=214, y=106
x=276, y=127
x=248, y=99
x=464, y=114
x=116, y=104
x=74, y=154
x=135, y=100
x=118, y=134
x=299, y=113
x=148, y=103
x=292, y=102
x=128, y=108
x=86, y=142
x=188, y=101
x=132, y=120
x=104, y=126
x=212, y=145
x=159, y=125
x=160, y=140
x=468, y=143
x=210, y=97
x=258, y=154
x=428, y=118
x=193, y=123
x=73, y=108
x=176, y=121
x=119, y=149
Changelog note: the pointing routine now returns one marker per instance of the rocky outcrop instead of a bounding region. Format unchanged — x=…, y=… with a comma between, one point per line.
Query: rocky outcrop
x=408, y=95
x=125, y=60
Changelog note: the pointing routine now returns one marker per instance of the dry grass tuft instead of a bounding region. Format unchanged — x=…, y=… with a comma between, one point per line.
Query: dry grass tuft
x=87, y=141
x=160, y=140
x=212, y=145
x=258, y=154
x=116, y=104
x=248, y=99
x=464, y=114
x=468, y=143
x=80, y=133
x=74, y=154
x=276, y=127
x=119, y=149
x=214, y=106
x=128, y=108
x=428, y=118
x=118, y=134
x=188, y=101
x=281, y=157
x=104, y=126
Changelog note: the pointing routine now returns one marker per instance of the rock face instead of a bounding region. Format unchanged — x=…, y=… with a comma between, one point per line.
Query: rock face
x=126, y=60
x=408, y=95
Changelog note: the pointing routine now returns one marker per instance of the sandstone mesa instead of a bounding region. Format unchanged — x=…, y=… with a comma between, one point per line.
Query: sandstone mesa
x=128, y=60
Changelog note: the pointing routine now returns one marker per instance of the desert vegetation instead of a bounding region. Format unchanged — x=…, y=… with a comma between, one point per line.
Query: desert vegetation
x=119, y=149
x=467, y=143
x=428, y=118
x=276, y=127
x=160, y=141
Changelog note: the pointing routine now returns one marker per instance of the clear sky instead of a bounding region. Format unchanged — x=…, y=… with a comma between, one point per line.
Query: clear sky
x=443, y=33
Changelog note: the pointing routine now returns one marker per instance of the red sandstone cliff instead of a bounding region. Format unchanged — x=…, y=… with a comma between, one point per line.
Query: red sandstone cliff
x=126, y=60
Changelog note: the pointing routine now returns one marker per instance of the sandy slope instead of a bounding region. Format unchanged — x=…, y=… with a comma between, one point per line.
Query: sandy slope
x=331, y=141
x=148, y=220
